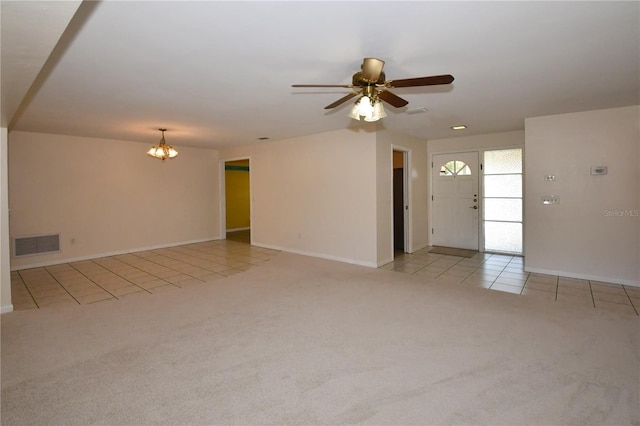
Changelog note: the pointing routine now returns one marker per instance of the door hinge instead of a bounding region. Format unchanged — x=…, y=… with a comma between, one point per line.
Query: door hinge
x=432, y=164
x=432, y=198
x=431, y=231
x=480, y=166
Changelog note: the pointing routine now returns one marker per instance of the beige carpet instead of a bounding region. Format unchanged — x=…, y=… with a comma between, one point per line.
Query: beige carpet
x=300, y=340
x=453, y=251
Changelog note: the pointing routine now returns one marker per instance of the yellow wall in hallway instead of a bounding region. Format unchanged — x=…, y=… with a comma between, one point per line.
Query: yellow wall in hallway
x=237, y=196
x=398, y=159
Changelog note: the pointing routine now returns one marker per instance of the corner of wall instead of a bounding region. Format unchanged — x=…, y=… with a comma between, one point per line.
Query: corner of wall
x=5, y=274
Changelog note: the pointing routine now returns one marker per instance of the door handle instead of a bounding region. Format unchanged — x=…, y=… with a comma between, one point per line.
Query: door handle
x=474, y=207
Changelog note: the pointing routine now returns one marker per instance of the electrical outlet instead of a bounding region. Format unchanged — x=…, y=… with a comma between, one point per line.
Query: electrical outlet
x=550, y=199
x=550, y=178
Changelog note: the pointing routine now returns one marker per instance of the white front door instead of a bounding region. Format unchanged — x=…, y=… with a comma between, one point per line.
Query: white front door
x=455, y=210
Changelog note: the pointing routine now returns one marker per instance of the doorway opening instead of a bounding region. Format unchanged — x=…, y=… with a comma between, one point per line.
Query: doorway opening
x=236, y=212
x=400, y=202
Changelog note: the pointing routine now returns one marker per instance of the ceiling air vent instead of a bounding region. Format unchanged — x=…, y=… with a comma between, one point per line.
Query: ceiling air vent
x=25, y=246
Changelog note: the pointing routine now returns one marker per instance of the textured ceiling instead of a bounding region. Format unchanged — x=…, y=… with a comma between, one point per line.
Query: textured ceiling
x=220, y=73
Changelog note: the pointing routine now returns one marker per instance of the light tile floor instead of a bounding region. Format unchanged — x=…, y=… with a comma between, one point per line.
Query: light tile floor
x=144, y=273
x=506, y=273
x=133, y=274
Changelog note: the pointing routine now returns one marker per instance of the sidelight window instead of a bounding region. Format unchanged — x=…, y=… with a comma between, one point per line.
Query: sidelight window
x=502, y=206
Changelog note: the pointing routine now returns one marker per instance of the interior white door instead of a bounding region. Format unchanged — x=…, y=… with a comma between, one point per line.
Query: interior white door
x=455, y=210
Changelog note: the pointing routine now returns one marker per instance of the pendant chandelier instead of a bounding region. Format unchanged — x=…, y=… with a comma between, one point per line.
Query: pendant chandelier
x=162, y=150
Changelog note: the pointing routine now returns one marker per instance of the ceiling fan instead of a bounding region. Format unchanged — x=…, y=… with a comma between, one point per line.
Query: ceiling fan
x=372, y=84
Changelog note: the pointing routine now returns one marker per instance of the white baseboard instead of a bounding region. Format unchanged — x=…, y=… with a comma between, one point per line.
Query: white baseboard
x=415, y=249
x=319, y=255
x=384, y=262
x=239, y=229
x=107, y=254
x=6, y=309
x=632, y=283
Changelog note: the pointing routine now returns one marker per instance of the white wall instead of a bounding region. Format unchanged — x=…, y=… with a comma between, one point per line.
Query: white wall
x=108, y=196
x=315, y=195
x=418, y=181
x=594, y=232
x=384, y=201
x=476, y=143
x=5, y=275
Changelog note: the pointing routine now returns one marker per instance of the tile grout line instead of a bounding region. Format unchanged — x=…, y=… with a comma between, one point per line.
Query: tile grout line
x=446, y=270
x=501, y=271
x=478, y=267
x=120, y=276
x=631, y=301
x=186, y=263
x=90, y=279
x=424, y=266
x=520, y=266
x=28, y=290
x=141, y=270
x=80, y=272
x=449, y=268
x=496, y=278
x=60, y=284
x=593, y=300
x=197, y=257
x=525, y=280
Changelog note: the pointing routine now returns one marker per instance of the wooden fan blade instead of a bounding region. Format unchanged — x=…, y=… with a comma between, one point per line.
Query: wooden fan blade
x=348, y=86
x=341, y=100
x=392, y=99
x=421, y=81
x=371, y=69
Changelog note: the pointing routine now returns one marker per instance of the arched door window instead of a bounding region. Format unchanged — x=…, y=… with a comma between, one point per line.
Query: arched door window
x=455, y=168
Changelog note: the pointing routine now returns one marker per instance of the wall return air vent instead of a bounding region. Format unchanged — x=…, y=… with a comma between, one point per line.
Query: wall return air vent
x=25, y=246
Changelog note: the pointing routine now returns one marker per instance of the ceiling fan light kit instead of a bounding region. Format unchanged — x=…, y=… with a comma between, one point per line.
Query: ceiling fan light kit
x=372, y=84
x=367, y=110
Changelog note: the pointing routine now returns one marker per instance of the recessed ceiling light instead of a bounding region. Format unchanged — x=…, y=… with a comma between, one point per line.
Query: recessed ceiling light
x=459, y=127
x=264, y=138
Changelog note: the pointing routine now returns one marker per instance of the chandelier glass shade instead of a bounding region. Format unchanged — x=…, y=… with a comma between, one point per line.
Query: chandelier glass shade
x=367, y=109
x=162, y=151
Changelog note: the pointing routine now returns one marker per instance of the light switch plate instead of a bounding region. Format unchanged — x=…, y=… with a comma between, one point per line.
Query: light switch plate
x=550, y=199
